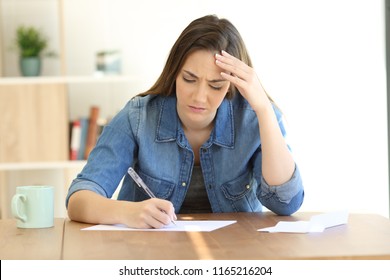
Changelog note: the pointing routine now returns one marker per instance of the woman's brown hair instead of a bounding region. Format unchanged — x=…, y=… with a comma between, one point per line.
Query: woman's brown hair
x=205, y=33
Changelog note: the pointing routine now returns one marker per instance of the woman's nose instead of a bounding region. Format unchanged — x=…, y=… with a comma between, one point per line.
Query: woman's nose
x=200, y=95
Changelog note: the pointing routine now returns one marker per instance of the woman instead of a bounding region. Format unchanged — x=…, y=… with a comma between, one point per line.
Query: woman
x=204, y=138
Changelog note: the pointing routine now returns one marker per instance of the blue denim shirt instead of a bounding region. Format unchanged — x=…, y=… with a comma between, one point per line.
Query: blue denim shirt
x=147, y=134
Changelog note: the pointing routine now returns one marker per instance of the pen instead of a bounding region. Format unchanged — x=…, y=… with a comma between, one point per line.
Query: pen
x=142, y=185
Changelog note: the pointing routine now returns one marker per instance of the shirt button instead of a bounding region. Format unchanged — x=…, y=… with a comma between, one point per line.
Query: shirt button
x=183, y=184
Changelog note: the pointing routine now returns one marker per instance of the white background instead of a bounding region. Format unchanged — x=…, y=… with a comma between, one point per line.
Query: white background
x=323, y=61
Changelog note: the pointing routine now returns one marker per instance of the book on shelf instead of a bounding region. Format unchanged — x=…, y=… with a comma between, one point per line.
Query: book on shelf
x=75, y=140
x=84, y=122
x=92, y=130
x=84, y=133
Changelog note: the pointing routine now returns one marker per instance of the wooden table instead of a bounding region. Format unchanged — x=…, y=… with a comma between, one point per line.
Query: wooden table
x=25, y=244
x=366, y=236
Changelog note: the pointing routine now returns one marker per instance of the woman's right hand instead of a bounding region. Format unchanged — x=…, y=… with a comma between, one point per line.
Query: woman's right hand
x=151, y=213
x=89, y=207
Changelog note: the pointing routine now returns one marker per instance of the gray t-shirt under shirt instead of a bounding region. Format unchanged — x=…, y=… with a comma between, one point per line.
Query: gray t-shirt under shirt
x=196, y=200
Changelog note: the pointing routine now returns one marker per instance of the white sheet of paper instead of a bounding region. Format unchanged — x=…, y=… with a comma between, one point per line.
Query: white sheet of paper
x=191, y=225
x=317, y=223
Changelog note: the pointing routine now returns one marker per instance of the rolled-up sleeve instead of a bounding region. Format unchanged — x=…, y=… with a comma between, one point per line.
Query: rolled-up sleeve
x=283, y=199
x=81, y=184
x=113, y=154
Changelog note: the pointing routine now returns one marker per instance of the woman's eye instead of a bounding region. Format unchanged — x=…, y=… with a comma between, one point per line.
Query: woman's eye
x=188, y=80
x=215, y=87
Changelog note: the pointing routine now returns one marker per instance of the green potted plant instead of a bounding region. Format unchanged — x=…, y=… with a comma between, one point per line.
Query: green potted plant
x=30, y=43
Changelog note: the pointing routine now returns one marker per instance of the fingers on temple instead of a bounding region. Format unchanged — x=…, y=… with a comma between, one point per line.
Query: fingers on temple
x=231, y=65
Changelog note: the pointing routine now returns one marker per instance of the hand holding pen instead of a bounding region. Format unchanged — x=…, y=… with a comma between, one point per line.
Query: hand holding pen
x=142, y=185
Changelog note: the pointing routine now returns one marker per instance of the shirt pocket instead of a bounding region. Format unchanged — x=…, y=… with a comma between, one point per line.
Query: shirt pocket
x=241, y=193
x=160, y=188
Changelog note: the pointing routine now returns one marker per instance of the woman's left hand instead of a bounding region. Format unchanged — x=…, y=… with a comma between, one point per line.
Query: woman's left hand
x=244, y=78
x=277, y=162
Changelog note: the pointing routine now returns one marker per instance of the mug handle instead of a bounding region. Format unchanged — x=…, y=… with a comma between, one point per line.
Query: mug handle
x=15, y=206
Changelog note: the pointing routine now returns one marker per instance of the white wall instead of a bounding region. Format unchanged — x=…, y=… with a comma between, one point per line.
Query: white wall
x=322, y=60
x=43, y=14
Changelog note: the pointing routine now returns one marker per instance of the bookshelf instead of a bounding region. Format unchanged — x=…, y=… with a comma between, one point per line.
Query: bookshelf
x=34, y=131
x=36, y=112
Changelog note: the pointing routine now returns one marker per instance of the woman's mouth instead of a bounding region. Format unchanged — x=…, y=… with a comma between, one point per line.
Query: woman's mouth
x=196, y=109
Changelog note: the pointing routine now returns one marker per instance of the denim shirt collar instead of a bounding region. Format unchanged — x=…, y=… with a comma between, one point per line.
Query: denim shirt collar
x=169, y=127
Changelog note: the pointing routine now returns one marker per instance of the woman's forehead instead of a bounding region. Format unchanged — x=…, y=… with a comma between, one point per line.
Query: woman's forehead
x=201, y=63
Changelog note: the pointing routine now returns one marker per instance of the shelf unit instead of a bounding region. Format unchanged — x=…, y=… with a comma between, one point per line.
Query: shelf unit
x=34, y=133
x=66, y=80
x=35, y=112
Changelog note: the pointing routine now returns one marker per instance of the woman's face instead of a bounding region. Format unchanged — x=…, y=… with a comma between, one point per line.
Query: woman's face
x=200, y=89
